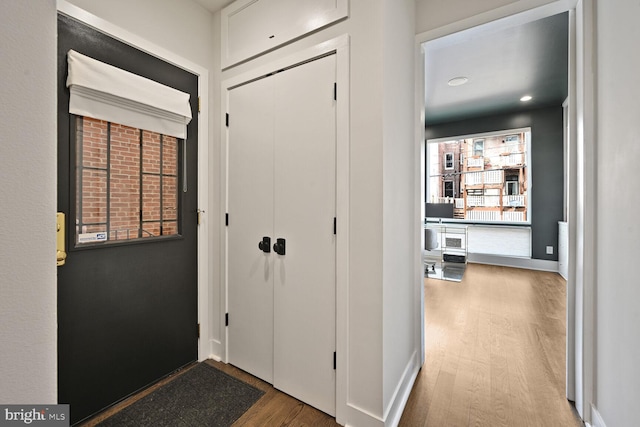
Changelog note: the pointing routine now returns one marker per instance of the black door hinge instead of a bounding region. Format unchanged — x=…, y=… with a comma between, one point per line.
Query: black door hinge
x=335, y=91
x=198, y=330
x=226, y=319
x=226, y=120
x=226, y=219
x=335, y=225
x=335, y=363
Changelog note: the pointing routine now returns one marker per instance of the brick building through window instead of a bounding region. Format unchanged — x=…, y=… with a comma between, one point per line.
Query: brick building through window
x=127, y=182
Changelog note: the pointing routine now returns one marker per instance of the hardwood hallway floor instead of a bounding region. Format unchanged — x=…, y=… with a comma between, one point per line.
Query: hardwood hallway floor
x=495, y=352
x=495, y=356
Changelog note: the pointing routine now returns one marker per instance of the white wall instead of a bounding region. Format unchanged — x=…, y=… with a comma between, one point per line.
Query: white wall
x=618, y=236
x=432, y=14
x=28, y=332
x=400, y=224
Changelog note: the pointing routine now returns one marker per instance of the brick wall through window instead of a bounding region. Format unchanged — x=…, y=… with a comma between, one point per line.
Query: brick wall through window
x=127, y=182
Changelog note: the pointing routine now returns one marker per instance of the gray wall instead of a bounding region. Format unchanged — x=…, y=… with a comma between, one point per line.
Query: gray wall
x=547, y=171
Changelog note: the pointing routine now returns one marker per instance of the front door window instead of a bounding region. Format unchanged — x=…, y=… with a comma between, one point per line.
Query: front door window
x=127, y=183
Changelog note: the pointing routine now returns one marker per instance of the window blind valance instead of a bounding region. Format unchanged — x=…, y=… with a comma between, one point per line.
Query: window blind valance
x=105, y=92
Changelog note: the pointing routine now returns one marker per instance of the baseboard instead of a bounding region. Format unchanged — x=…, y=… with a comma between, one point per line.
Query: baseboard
x=596, y=418
x=528, y=263
x=358, y=417
x=401, y=393
x=216, y=350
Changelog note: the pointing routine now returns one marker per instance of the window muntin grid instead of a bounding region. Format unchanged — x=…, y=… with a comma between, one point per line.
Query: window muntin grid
x=126, y=183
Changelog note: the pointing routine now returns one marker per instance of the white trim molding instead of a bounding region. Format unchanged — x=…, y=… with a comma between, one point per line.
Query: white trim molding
x=401, y=394
x=519, y=12
x=586, y=222
x=596, y=418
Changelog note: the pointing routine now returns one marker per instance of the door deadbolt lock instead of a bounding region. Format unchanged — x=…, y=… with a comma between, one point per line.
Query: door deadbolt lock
x=280, y=246
x=265, y=244
x=61, y=253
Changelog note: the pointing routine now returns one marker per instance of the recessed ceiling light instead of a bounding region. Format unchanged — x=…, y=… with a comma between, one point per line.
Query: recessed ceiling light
x=457, y=81
x=526, y=98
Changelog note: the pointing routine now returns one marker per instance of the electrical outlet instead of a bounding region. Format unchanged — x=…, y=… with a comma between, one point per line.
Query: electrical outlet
x=549, y=250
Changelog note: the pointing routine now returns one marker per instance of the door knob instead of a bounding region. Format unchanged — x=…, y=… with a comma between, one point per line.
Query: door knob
x=280, y=246
x=265, y=245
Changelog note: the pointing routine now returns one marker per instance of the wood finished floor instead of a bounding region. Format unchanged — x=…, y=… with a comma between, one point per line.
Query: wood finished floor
x=495, y=352
x=495, y=356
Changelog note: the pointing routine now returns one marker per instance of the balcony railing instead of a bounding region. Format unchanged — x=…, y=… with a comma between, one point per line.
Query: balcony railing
x=513, y=159
x=475, y=215
x=483, y=201
x=473, y=178
x=517, y=216
x=493, y=177
x=459, y=203
x=483, y=215
x=486, y=177
x=514, y=201
x=475, y=163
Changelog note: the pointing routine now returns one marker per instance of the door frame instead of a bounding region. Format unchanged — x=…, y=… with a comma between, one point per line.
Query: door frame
x=581, y=201
x=203, y=235
x=340, y=47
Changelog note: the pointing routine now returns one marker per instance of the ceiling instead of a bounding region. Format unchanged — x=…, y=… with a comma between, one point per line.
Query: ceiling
x=502, y=65
x=213, y=5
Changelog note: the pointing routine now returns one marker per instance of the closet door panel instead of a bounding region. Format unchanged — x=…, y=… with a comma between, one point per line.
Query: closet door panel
x=305, y=206
x=250, y=208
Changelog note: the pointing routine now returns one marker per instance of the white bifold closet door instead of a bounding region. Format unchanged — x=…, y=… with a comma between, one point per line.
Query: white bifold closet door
x=282, y=185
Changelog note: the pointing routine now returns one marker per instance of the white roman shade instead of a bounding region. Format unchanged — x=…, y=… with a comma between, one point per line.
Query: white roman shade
x=104, y=92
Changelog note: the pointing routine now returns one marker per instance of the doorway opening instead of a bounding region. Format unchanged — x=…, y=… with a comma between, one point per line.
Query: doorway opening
x=502, y=21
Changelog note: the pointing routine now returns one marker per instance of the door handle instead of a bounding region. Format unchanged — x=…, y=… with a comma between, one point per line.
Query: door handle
x=265, y=244
x=280, y=246
x=61, y=253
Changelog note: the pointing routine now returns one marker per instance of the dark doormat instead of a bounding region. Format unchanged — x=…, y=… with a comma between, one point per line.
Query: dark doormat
x=203, y=396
